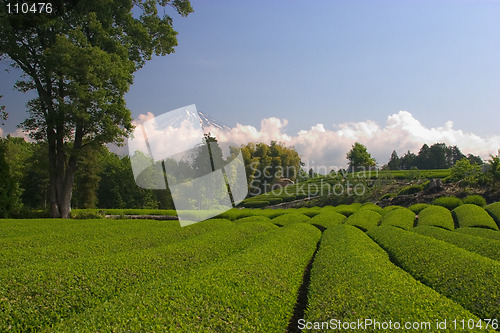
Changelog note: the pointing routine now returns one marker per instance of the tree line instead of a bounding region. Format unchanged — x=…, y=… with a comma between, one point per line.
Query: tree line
x=105, y=179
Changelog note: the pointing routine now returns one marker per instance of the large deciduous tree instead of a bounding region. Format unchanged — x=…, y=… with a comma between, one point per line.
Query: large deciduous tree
x=80, y=60
x=359, y=157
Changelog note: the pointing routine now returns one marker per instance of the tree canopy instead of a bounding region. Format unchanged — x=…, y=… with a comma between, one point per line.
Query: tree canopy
x=80, y=60
x=359, y=156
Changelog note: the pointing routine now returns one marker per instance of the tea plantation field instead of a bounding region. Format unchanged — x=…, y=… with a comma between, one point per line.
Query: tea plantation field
x=356, y=267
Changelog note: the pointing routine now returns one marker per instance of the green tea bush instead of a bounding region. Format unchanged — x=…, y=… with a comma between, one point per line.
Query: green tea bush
x=41, y=294
x=327, y=219
x=271, y=213
x=475, y=200
x=417, y=208
x=235, y=214
x=364, y=219
x=401, y=217
x=436, y=216
x=411, y=189
x=255, y=203
x=253, y=219
x=467, y=278
x=494, y=211
x=473, y=216
x=287, y=219
x=373, y=207
x=387, y=209
x=253, y=290
x=480, y=232
x=311, y=212
x=486, y=247
x=447, y=202
x=348, y=210
x=364, y=283
x=274, y=201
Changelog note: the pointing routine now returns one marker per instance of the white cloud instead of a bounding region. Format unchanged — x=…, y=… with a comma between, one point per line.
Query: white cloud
x=328, y=147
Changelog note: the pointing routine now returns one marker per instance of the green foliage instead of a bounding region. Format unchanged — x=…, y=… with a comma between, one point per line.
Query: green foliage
x=348, y=210
x=480, y=232
x=254, y=290
x=364, y=283
x=411, y=189
x=494, y=211
x=252, y=219
x=327, y=219
x=387, y=209
x=264, y=164
x=373, y=207
x=475, y=200
x=400, y=217
x=436, y=216
x=287, y=219
x=494, y=163
x=486, y=247
x=43, y=292
x=450, y=203
x=417, y=208
x=469, y=215
x=467, y=278
x=255, y=203
x=364, y=219
x=358, y=157
x=467, y=173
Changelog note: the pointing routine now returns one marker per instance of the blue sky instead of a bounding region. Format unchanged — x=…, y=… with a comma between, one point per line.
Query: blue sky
x=328, y=62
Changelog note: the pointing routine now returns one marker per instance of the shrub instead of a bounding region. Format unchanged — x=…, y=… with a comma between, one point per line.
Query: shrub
x=485, y=247
x=68, y=287
x=364, y=219
x=402, y=218
x=480, y=232
x=311, y=212
x=327, y=219
x=287, y=219
x=464, y=277
x=447, y=202
x=288, y=198
x=411, y=189
x=436, y=216
x=473, y=216
x=86, y=215
x=274, y=201
x=373, y=207
x=256, y=204
x=352, y=278
x=475, y=200
x=418, y=207
x=387, y=209
x=271, y=213
x=348, y=210
x=494, y=211
x=253, y=219
x=254, y=290
x=234, y=214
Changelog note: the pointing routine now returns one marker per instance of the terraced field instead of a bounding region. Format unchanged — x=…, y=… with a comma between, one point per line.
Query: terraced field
x=351, y=267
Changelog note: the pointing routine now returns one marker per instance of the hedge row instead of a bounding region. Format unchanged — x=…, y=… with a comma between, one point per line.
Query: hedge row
x=448, y=202
x=288, y=219
x=494, y=211
x=469, y=215
x=254, y=290
x=364, y=219
x=417, y=208
x=436, y=216
x=480, y=232
x=465, y=277
x=348, y=210
x=36, y=297
x=486, y=247
x=327, y=219
x=400, y=217
x=353, y=278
